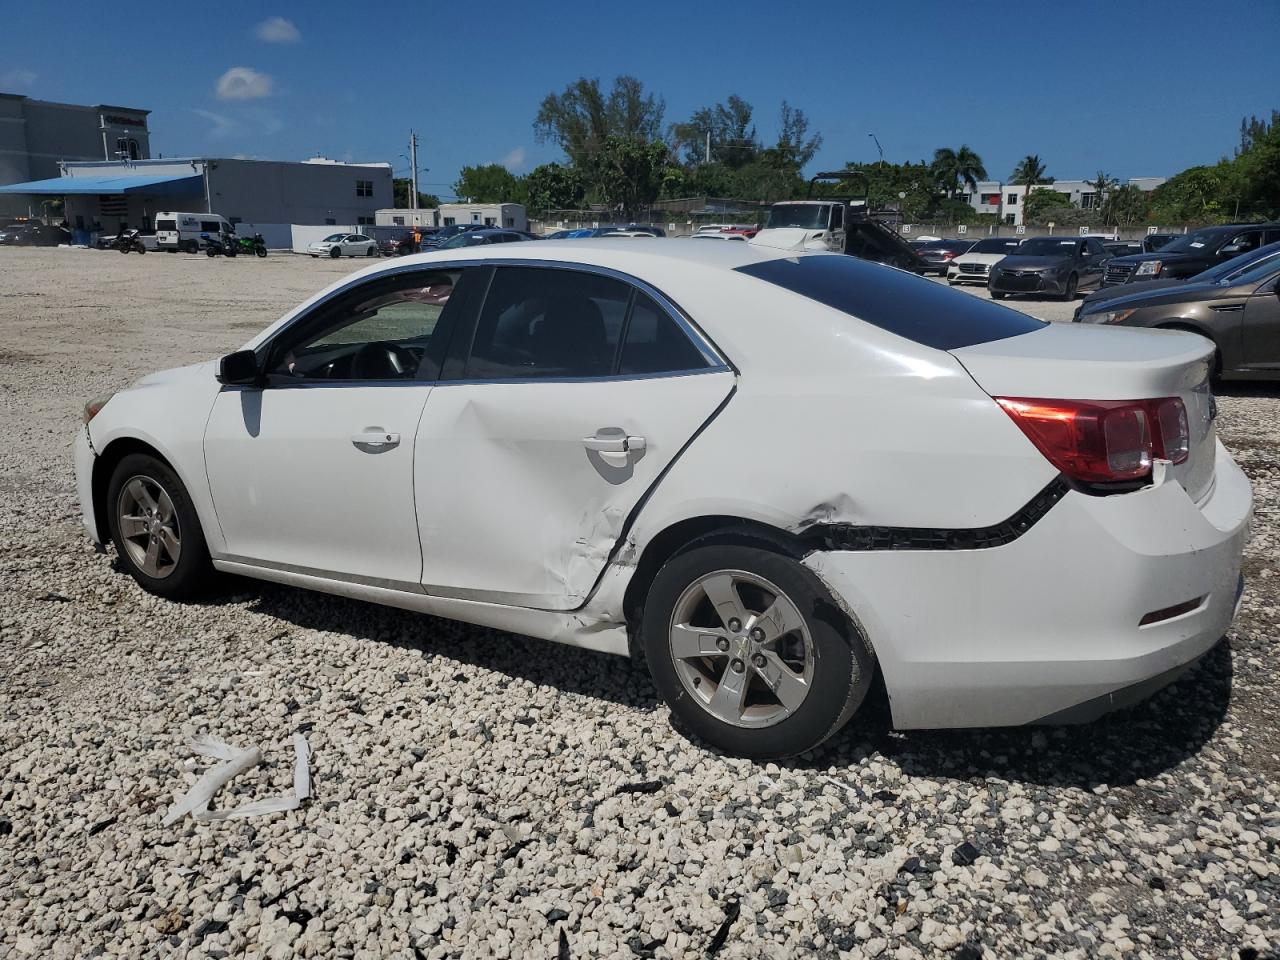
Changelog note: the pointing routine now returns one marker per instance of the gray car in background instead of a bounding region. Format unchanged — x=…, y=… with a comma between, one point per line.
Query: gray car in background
x=1238, y=310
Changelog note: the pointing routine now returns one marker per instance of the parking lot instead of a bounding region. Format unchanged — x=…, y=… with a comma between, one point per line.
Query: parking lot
x=481, y=794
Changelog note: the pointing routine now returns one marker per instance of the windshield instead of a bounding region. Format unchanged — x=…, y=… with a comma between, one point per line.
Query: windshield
x=1048, y=247
x=333, y=238
x=464, y=240
x=994, y=245
x=804, y=216
x=1190, y=243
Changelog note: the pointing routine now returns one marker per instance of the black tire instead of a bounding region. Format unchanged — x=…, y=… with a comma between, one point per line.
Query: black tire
x=335, y=252
x=843, y=665
x=140, y=248
x=210, y=252
x=1069, y=292
x=996, y=295
x=193, y=247
x=260, y=251
x=193, y=572
x=371, y=252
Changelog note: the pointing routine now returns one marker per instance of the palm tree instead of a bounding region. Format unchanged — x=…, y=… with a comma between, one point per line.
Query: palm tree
x=1103, y=185
x=1030, y=171
x=951, y=168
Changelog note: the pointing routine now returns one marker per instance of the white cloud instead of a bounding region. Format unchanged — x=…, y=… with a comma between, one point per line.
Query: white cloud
x=17, y=79
x=514, y=160
x=277, y=30
x=221, y=125
x=244, y=83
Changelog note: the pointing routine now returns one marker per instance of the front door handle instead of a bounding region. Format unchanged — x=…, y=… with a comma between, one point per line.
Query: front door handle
x=377, y=438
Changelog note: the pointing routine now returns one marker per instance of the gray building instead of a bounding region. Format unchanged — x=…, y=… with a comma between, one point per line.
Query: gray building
x=36, y=136
x=316, y=191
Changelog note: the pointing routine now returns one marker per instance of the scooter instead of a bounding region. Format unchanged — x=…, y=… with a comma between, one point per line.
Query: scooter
x=255, y=245
x=215, y=246
x=128, y=240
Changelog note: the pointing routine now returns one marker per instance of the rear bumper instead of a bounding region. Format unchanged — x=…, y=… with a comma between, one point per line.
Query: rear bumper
x=1049, y=623
x=84, y=459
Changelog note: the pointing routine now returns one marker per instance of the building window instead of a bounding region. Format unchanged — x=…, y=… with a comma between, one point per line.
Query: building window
x=509, y=222
x=330, y=222
x=1011, y=200
x=398, y=221
x=489, y=221
x=448, y=221
x=133, y=149
x=990, y=199
x=1088, y=201
x=1009, y=218
x=364, y=188
x=364, y=221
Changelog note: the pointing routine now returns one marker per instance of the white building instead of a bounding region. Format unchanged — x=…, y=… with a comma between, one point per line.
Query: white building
x=407, y=217
x=509, y=215
x=1005, y=200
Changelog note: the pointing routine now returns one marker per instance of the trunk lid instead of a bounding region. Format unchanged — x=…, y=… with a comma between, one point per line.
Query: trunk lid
x=1082, y=362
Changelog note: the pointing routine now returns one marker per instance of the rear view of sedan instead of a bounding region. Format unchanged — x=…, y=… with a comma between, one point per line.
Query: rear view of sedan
x=939, y=254
x=618, y=446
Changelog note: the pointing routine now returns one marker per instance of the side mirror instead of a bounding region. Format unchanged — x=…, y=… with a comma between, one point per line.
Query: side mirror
x=240, y=368
x=1232, y=250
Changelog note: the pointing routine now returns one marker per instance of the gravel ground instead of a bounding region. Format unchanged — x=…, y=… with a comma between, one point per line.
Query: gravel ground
x=480, y=794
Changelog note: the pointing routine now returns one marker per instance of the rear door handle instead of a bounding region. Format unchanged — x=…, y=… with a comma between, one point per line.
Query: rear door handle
x=618, y=444
x=376, y=437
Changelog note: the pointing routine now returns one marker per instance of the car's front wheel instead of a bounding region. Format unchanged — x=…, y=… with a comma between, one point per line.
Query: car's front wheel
x=155, y=528
x=750, y=651
x=335, y=252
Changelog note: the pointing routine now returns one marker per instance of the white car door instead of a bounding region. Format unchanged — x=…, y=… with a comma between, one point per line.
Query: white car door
x=313, y=472
x=579, y=389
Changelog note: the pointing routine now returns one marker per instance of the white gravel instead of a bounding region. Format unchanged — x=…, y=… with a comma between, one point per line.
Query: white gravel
x=479, y=794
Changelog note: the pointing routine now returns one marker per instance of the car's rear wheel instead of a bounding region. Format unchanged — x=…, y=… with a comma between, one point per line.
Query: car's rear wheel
x=155, y=528
x=750, y=651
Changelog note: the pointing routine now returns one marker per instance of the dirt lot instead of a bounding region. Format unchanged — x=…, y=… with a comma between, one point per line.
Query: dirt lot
x=480, y=794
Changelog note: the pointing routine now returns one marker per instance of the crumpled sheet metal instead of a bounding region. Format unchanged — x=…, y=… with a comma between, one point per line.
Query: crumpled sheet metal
x=235, y=761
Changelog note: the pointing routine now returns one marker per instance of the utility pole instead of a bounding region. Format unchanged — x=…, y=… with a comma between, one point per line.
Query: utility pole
x=707, y=158
x=413, y=164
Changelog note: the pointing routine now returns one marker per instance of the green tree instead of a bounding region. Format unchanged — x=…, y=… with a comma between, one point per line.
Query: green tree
x=951, y=168
x=733, y=135
x=1041, y=206
x=795, y=147
x=490, y=183
x=1194, y=195
x=401, y=186
x=627, y=172
x=1103, y=186
x=581, y=117
x=1030, y=171
x=554, y=187
x=1125, y=205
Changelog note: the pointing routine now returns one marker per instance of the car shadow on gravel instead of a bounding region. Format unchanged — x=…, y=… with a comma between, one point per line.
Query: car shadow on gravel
x=1135, y=743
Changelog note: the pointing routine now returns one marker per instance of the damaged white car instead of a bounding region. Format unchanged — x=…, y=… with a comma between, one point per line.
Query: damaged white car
x=773, y=474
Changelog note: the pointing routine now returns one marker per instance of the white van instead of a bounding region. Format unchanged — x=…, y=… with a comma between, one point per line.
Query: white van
x=181, y=231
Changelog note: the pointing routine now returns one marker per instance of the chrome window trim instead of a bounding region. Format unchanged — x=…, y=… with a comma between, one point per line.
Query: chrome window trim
x=704, y=344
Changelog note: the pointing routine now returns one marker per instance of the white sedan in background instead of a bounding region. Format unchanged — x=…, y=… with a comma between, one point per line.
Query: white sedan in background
x=974, y=265
x=345, y=245
x=774, y=473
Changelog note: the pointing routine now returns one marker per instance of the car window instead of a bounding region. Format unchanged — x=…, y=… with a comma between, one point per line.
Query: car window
x=1248, y=240
x=655, y=343
x=894, y=300
x=379, y=331
x=545, y=322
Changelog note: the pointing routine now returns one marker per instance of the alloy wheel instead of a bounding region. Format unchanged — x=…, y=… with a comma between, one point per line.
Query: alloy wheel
x=741, y=648
x=148, y=526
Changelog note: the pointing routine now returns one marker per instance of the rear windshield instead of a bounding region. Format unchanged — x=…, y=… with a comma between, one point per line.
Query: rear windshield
x=894, y=300
x=166, y=225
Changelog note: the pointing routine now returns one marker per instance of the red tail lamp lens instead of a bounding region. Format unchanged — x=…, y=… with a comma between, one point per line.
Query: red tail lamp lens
x=1101, y=441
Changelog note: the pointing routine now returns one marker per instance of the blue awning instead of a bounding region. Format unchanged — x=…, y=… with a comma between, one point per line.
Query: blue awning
x=169, y=184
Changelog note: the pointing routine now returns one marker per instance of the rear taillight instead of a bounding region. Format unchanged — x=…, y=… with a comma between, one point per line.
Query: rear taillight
x=1103, y=441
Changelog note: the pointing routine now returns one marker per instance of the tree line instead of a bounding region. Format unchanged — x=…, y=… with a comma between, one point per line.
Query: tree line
x=620, y=152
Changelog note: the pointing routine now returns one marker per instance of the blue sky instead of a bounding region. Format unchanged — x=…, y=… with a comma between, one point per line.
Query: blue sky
x=1161, y=88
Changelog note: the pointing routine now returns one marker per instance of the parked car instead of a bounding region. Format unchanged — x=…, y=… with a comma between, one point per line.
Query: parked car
x=1239, y=312
x=1215, y=274
x=1156, y=241
x=568, y=480
x=1056, y=266
x=398, y=245
x=1192, y=253
x=479, y=238
x=1122, y=248
x=449, y=231
x=344, y=245
x=938, y=254
x=633, y=228
x=33, y=233
x=973, y=265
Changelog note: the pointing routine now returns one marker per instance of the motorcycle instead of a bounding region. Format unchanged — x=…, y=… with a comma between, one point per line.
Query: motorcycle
x=255, y=245
x=218, y=247
x=128, y=240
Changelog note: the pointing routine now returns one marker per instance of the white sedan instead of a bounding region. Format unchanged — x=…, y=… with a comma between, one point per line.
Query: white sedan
x=974, y=265
x=345, y=245
x=774, y=474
